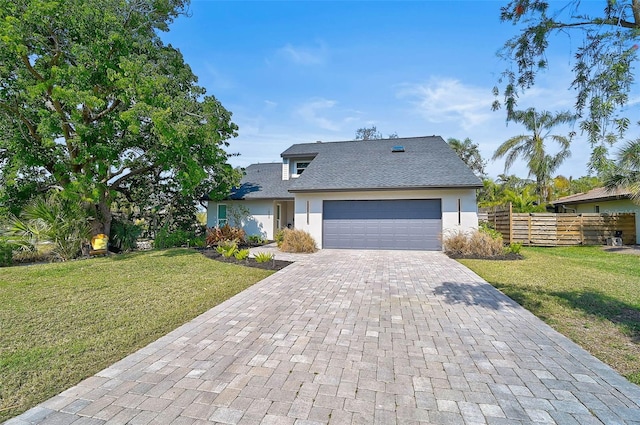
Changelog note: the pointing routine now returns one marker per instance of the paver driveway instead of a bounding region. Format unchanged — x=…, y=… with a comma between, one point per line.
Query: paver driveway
x=345, y=337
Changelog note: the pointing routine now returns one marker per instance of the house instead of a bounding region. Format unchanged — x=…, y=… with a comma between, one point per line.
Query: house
x=377, y=194
x=600, y=200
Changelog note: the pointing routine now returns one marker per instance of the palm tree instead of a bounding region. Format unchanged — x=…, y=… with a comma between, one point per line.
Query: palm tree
x=523, y=201
x=511, y=181
x=627, y=173
x=490, y=195
x=531, y=147
x=51, y=218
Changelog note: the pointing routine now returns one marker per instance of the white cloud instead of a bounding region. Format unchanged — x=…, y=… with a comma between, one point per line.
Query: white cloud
x=304, y=55
x=446, y=100
x=217, y=80
x=313, y=112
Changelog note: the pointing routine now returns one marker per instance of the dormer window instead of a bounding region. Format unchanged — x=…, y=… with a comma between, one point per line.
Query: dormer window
x=301, y=166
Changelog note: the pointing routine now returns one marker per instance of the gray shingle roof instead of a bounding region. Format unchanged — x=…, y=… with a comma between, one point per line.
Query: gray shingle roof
x=263, y=181
x=427, y=162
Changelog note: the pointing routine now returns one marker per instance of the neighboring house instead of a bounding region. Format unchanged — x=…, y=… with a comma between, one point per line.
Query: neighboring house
x=375, y=194
x=600, y=200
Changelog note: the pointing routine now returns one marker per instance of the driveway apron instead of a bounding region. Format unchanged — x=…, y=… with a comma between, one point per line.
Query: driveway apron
x=355, y=337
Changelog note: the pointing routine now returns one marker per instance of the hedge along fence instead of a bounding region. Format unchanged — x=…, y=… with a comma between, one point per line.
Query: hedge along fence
x=562, y=229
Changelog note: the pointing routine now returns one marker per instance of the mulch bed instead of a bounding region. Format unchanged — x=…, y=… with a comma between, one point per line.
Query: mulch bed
x=249, y=262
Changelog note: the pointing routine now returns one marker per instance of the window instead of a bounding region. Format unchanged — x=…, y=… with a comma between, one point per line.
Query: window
x=222, y=215
x=278, y=216
x=459, y=211
x=301, y=166
x=308, y=211
x=597, y=208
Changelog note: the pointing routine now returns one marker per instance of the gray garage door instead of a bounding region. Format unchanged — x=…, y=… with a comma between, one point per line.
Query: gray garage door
x=382, y=224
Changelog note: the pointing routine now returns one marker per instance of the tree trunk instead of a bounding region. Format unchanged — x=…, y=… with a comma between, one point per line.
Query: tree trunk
x=102, y=222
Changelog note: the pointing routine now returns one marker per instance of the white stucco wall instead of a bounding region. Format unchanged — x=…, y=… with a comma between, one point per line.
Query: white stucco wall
x=312, y=222
x=616, y=206
x=259, y=223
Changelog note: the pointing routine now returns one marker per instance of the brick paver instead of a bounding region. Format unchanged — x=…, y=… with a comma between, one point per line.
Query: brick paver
x=342, y=337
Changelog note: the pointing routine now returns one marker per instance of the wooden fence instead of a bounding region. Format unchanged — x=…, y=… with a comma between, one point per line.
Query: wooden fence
x=562, y=229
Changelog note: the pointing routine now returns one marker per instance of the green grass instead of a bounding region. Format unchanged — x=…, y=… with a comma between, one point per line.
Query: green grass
x=63, y=322
x=587, y=294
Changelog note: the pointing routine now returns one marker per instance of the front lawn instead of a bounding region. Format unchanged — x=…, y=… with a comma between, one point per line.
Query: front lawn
x=585, y=293
x=63, y=322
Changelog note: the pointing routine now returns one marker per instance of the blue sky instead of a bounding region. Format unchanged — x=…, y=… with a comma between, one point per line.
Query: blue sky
x=303, y=71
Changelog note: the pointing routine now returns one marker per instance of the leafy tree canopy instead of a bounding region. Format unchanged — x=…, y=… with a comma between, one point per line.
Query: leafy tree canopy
x=511, y=188
x=493, y=193
x=469, y=152
x=602, y=62
x=91, y=99
x=626, y=173
x=563, y=186
x=372, y=133
x=511, y=181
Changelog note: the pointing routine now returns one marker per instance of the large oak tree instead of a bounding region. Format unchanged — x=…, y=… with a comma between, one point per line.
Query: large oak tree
x=91, y=100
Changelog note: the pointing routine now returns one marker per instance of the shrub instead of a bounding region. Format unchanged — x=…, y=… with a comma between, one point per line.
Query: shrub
x=487, y=228
x=6, y=253
x=198, y=242
x=264, y=257
x=513, y=248
x=124, y=235
x=227, y=248
x=295, y=240
x=224, y=233
x=456, y=243
x=256, y=239
x=165, y=239
x=478, y=243
x=279, y=237
x=243, y=254
x=482, y=244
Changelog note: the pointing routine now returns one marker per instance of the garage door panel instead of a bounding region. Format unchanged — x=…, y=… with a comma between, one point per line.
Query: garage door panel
x=383, y=209
x=382, y=224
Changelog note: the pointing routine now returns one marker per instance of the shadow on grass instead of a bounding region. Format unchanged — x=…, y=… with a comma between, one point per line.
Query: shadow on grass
x=593, y=303
x=483, y=295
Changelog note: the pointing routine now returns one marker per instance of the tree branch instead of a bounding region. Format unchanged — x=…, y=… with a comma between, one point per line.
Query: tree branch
x=610, y=21
x=32, y=128
x=56, y=46
x=635, y=7
x=116, y=184
x=107, y=111
x=67, y=129
x=31, y=69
